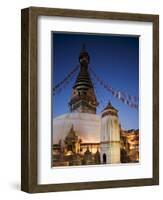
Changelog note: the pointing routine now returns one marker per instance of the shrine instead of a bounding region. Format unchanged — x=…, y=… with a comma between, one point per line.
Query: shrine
x=83, y=137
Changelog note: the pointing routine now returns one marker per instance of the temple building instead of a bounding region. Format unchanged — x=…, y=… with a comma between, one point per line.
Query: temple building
x=83, y=137
x=129, y=145
x=110, y=135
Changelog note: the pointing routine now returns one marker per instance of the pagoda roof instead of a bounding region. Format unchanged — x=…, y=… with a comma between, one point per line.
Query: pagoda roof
x=83, y=80
x=109, y=106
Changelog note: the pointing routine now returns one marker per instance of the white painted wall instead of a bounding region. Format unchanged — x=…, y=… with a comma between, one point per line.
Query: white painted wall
x=110, y=134
x=110, y=130
x=10, y=98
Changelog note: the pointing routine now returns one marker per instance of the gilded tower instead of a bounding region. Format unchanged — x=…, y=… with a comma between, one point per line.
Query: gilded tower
x=83, y=96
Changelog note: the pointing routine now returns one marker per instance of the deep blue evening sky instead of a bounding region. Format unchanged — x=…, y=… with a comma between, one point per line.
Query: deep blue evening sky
x=114, y=58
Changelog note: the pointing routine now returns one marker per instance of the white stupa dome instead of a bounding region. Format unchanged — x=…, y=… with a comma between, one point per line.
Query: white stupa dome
x=86, y=126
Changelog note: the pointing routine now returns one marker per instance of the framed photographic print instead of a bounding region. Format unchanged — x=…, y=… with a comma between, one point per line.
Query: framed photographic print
x=90, y=100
